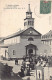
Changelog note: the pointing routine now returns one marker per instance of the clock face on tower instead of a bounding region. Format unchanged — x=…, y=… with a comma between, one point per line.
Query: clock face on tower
x=31, y=32
x=29, y=16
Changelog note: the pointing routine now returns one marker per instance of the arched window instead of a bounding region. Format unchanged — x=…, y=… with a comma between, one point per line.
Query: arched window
x=30, y=39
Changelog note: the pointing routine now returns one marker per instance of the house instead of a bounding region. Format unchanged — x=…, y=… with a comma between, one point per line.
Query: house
x=47, y=39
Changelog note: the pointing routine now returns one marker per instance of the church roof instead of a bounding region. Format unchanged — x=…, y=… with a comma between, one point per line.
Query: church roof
x=14, y=34
x=20, y=32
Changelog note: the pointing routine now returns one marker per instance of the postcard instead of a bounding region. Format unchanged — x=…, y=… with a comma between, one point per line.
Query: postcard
x=25, y=39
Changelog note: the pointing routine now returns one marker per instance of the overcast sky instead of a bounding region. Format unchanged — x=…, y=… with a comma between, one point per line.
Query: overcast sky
x=12, y=20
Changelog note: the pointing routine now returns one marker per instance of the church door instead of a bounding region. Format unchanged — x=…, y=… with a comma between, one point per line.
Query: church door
x=31, y=49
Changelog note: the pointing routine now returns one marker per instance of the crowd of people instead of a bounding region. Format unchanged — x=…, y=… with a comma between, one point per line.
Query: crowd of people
x=32, y=62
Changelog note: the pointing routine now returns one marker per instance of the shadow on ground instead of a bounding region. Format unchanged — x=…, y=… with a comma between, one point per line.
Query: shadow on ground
x=7, y=74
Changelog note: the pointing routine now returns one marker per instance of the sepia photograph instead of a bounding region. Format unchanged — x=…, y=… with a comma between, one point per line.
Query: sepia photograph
x=25, y=39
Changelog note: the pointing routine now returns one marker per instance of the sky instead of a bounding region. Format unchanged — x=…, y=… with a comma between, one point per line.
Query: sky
x=13, y=13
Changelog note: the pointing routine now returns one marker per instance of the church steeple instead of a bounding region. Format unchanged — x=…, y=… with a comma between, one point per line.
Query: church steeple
x=29, y=13
x=29, y=10
x=29, y=21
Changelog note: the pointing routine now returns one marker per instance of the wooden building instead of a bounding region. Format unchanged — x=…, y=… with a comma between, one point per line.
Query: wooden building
x=24, y=41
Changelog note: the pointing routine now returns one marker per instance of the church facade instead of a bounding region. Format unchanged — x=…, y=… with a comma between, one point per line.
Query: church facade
x=24, y=41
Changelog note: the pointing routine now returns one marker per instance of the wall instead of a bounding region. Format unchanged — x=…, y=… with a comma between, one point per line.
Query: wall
x=20, y=49
x=12, y=40
x=37, y=41
x=48, y=42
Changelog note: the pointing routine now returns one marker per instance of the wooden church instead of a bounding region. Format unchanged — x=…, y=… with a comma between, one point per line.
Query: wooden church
x=24, y=41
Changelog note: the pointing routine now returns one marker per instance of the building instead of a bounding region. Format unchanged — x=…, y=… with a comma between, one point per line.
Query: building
x=24, y=41
x=47, y=39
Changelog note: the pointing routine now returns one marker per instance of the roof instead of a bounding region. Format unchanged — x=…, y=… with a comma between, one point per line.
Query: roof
x=1, y=38
x=47, y=35
x=6, y=45
x=14, y=34
x=19, y=33
x=28, y=18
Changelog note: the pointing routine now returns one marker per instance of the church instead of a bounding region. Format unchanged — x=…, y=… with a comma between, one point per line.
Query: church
x=24, y=42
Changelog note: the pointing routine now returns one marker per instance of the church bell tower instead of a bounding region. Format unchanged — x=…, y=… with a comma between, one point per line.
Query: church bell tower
x=29, y=21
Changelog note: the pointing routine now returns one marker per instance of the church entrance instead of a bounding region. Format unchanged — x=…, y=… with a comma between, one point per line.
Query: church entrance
x=31, y=49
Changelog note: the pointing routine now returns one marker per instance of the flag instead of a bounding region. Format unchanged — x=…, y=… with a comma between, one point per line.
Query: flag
x=45, y=7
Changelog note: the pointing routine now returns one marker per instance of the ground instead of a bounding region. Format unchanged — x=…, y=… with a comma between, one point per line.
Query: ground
x=17, y=68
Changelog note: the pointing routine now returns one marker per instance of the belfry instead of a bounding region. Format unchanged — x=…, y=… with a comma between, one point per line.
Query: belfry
x=29, y=21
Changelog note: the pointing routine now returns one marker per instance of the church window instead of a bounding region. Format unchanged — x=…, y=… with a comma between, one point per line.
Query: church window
x=32, y=23
x=30, y=39
x=50, y=42
x=13, y=52
x=24, y=23
x=46, y=36
x=51, y=34
x=28, y=22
